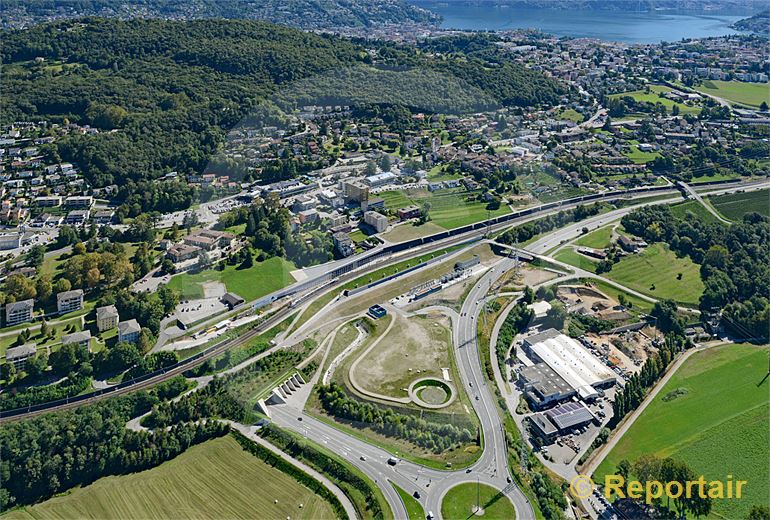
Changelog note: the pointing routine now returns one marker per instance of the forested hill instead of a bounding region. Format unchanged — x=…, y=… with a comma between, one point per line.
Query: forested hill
x=173, y=89
x=305, y=14
x=759, y=23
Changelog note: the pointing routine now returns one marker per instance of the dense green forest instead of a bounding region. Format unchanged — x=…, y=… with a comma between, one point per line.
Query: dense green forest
x=165, y=93
x=732, y=259
x=49, y=454
x=306, y=14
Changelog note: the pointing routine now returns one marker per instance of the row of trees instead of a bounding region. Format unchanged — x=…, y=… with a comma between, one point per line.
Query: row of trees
x=528, y=230
x=386, y=421
x=637, y=385
x=517, y=320
x=649, y=469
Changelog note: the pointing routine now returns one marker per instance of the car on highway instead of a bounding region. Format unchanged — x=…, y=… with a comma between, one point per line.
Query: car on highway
x=416, y=494
x=392, y=461
x=363, y=458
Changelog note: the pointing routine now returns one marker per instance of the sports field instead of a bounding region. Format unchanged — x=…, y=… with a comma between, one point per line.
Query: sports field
x=449, y=208
x=216, y=479
x=734, y=205
x=654, y=97
x=654, y=272
x=752, y=94
x=713, y=414
x=459, y=503
x=252, y=283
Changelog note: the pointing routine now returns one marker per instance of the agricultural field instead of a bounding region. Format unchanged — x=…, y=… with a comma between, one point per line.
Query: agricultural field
x=734, y=205
x=655, y=271
x=449, y=208
x=655, y=96
x=460, y=501
x=751, y=94
x=252, y=283
x=713, y=414
x=214, y=480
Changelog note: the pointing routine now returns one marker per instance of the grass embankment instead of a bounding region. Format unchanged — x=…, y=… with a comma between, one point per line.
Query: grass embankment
x=211, y=480
x=734, y=205
x=598, y=239
x=461, y=500
x=713, y=414
x=323, y=300
x=694, y=207
x=252, y=283
x=414, y=509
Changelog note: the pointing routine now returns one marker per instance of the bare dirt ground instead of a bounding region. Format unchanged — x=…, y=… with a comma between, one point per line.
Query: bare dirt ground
x=213, y=289
x=628, y=350
x=415, y=347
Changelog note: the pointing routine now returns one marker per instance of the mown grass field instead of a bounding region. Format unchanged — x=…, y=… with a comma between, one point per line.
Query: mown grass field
x=216, y=479
x=572, y=257
x=597, y=239
x=734, y=205
x=252, y=283
x=719, y=426
x=639, y=157
x=696, y=208
x=752, y=94
x=459, y=502
x=449, y=208
x=654, y=272
x=654, y=97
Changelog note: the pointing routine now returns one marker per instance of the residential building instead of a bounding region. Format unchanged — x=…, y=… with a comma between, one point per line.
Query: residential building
x=18, y=312
x=355, y=192
x=81, y=339
x=79, y=202
x=343, y=244
x=409, y=212
x=10, y=240
x=69, y=301
x=182, y=252
x=128, y=331
x=377, y=220
x=107, y=318
x=77, y=217
x=48, y=202
x=18, y=356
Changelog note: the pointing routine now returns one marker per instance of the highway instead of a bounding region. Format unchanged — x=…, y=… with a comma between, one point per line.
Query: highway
x=491, y=468
x=353, y=267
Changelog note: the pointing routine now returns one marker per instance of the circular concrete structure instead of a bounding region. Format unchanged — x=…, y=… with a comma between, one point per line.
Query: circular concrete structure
x=432, y=393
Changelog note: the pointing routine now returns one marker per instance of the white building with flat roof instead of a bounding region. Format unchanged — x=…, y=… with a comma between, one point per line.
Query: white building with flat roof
x=574, y=363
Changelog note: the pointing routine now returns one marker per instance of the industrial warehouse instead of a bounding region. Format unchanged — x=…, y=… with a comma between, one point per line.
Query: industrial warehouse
x=570, y=362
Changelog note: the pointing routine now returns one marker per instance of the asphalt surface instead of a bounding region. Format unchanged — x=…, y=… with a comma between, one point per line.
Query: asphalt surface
x=432, y=484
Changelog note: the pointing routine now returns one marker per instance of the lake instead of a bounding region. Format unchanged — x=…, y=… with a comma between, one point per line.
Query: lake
x=625, y=26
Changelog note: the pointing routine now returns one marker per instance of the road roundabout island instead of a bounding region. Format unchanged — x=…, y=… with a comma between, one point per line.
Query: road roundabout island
x=476, y=500
x=432, y=393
